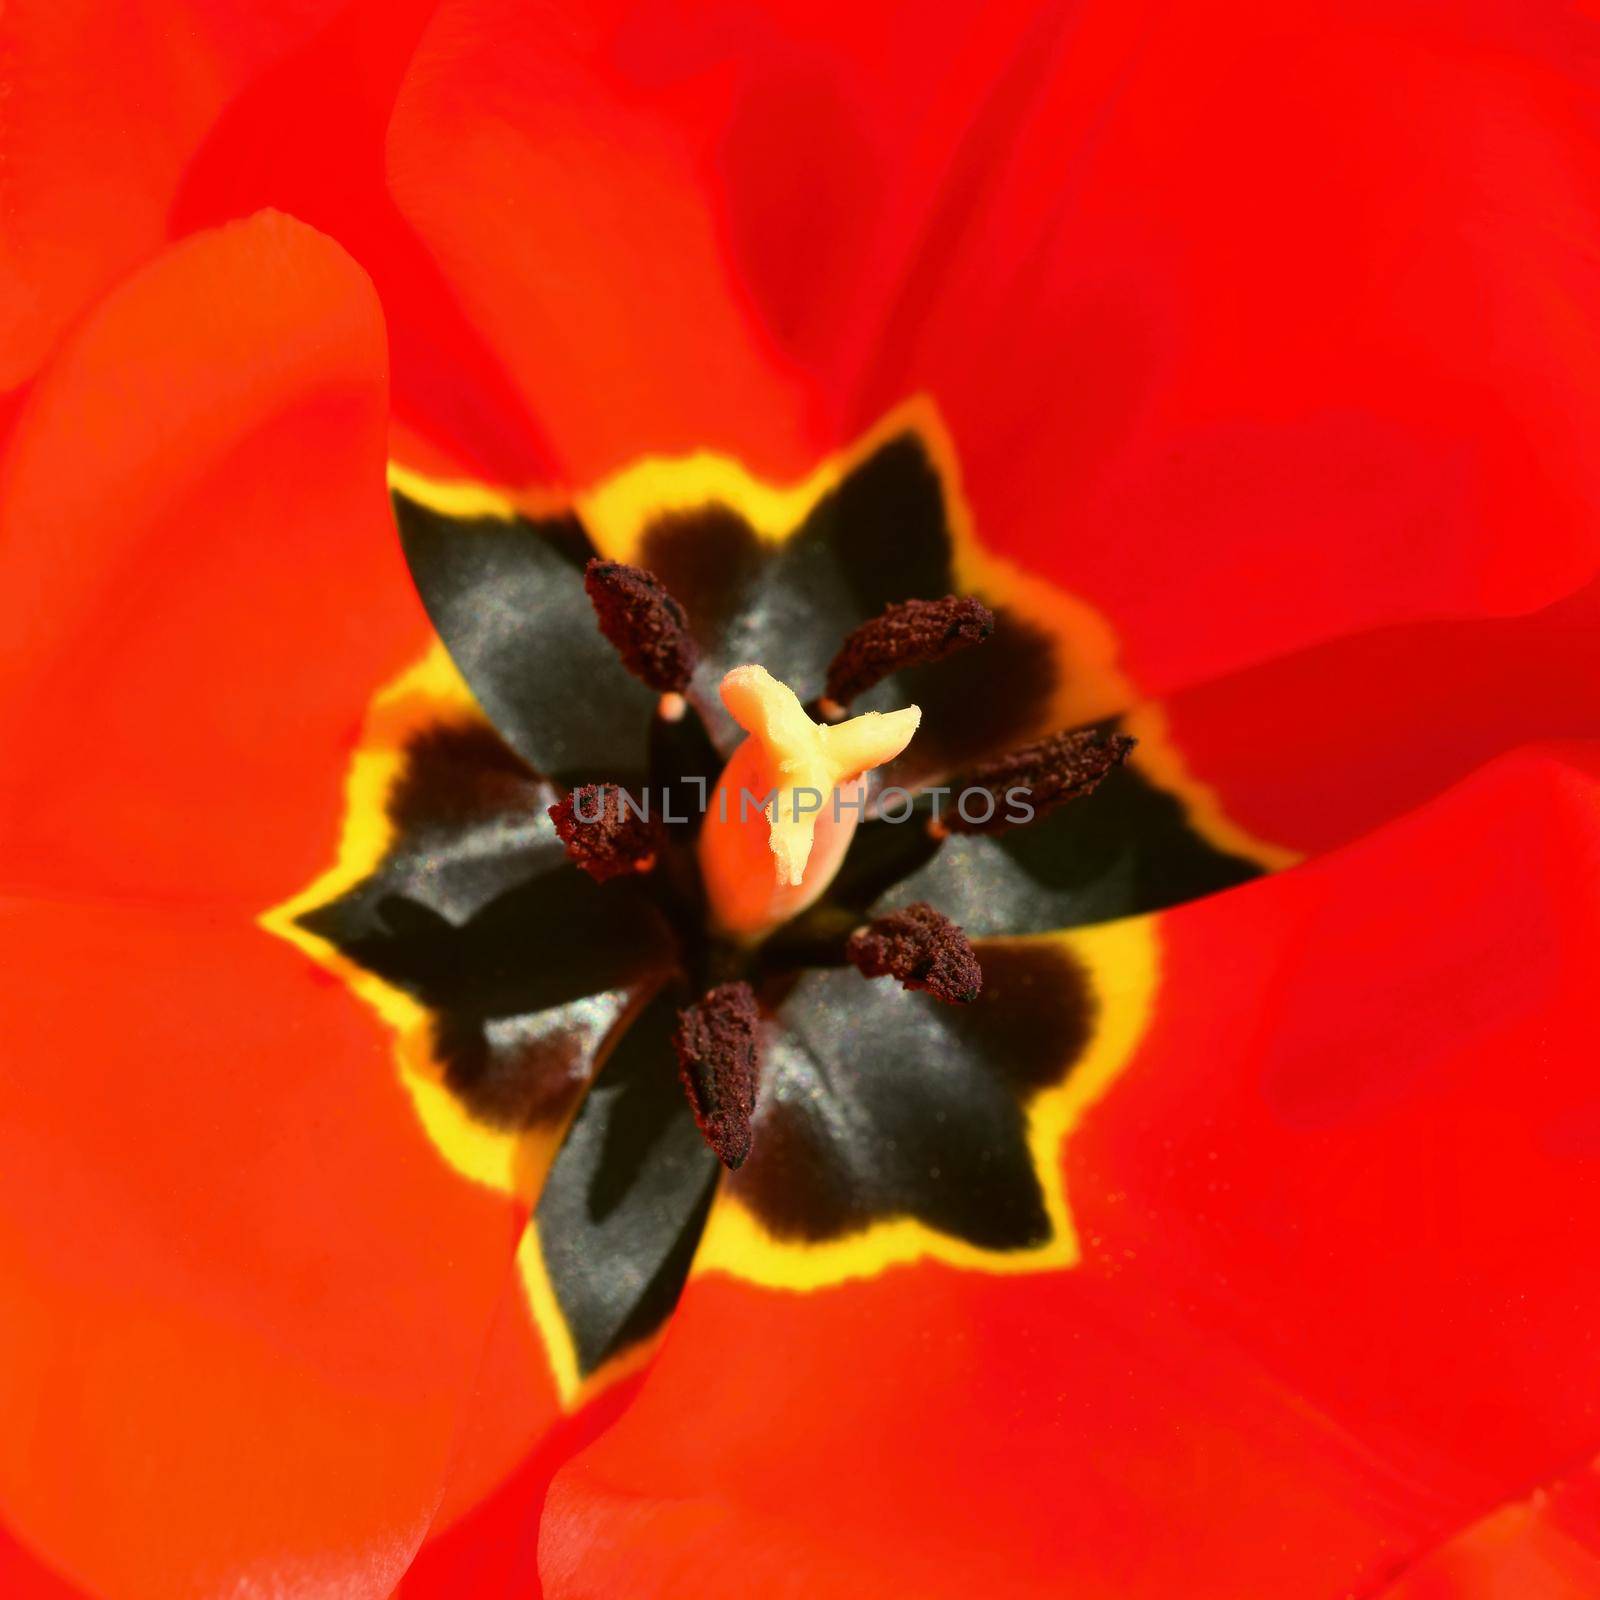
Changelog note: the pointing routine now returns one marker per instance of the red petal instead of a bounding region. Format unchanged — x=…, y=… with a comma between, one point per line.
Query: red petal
x=103, y=109
x=513, y=1405
x=307, y=138
x=678, y=232
x=1263, y=331
x=490, y=1552
x=200, y=582
x=245, y=1297
x=1545, y=1546
x=24, y=1577
x=1340, y=1220
x=1251, y=333
x=542, y=162
x=1317, y=747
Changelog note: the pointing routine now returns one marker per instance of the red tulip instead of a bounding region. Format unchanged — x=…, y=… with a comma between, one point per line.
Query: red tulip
x=1237, y=1239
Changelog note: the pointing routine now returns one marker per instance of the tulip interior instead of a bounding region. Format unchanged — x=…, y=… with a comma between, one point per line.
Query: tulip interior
x=823, y=1107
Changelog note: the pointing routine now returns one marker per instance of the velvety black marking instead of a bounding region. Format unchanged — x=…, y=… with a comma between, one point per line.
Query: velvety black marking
x=713, y=562
x=882, y=855
x=625, y=1201
x=1127, y=848
x=684, y=768
x=508, y=600
x=455, y=776
x=886, y=529
x=476, y=912
x=878, y=1102
x=524, y=1071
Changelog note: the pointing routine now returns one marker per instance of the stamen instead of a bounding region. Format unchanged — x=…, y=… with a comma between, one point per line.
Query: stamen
x=912, y=633
x=647, y=627
x=717, y=1045
x=923, y=949
x=603, y=833
x=1064, y=767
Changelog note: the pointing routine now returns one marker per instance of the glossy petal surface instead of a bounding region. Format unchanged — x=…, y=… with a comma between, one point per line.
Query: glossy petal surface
x=621, y=1211
x=200, y=581
x=507, y=596
x=1290, y=318
x=877, y=1102
x=272, y=1288
x=245, y=1298
x=1317, y=747
x=1542, y=1546
x=102, y=112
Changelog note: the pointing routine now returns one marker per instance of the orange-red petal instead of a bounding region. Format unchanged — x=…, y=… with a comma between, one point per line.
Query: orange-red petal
x=23, y=1576
x=1314, y=748
x=542, y=163
x=245, y=1297
x=1256, y=331
x=488, y=1548
x=307, y=138
x=1253, y=333
x=103, y=109
x=200, y=584
x=1541, y=1546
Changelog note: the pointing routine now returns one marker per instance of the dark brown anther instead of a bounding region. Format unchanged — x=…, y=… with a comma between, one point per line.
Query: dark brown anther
x=646, y=626
x=923, y=949
x=605, y=834
x=718, y=1049
x=909, y=634
x=1031, y=782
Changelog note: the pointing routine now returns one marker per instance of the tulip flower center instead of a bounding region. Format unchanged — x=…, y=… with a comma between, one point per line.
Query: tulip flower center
x=776, y=826
x=608, y=970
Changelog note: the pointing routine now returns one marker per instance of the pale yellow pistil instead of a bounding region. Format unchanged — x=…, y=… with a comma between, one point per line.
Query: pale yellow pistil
x=763, y=864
